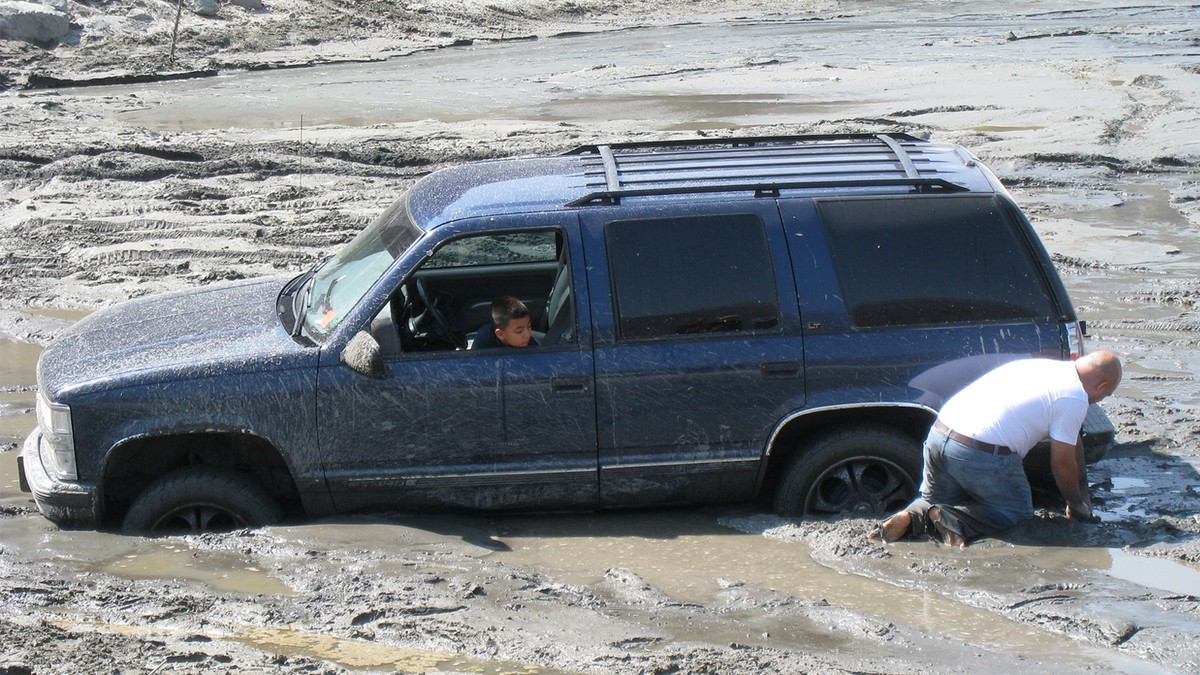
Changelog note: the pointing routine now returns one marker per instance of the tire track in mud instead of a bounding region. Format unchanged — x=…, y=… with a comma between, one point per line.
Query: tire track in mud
x=1158, y=326
x=120, y=212
x=1149, y=99
x=62, y=247
x=104, y=217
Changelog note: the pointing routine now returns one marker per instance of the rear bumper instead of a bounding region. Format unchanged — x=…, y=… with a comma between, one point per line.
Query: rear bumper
x=68, y=504
x=1099, y=434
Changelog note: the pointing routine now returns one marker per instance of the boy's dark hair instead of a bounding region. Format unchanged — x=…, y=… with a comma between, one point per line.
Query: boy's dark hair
x=507, y=308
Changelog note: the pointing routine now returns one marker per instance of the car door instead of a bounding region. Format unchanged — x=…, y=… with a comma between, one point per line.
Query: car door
x=496, y=428
x=696, y=356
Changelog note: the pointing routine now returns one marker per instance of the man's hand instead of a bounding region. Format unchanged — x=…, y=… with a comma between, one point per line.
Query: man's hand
x=1070, y=473
x=1082, y=515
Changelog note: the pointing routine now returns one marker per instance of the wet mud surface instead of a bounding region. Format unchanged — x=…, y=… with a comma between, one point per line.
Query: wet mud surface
x=1086, y=113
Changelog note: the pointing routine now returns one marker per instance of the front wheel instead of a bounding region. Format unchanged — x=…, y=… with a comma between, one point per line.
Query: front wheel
x=867, y=471
x=201, y=499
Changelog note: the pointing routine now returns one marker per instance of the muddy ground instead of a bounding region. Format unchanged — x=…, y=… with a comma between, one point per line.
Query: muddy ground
x=1088, y=113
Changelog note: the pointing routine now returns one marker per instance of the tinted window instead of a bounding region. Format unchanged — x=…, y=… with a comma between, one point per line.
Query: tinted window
x=932, y=260
x=691, y=275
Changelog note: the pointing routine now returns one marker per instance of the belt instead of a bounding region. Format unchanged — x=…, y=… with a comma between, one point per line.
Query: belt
x=971, y=442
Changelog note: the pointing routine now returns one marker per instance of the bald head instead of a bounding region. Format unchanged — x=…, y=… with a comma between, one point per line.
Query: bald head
x=1099, y=373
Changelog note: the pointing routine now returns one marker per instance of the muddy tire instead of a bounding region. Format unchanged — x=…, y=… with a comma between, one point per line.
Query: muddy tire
x=201, y=499
x=866, y=471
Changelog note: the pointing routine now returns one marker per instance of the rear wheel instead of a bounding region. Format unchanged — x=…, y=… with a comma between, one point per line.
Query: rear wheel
x=201, y=499
x=866, y=471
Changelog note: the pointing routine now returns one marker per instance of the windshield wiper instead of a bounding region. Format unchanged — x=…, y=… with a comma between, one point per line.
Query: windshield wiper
x=301, y=310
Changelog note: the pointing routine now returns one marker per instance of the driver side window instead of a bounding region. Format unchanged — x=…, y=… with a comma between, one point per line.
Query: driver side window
x=447, y=301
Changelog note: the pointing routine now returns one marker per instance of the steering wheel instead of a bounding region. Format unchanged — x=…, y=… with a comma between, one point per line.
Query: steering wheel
x=441, y=324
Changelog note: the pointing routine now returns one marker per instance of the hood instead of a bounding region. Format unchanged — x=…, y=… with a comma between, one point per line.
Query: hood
x=219, y=329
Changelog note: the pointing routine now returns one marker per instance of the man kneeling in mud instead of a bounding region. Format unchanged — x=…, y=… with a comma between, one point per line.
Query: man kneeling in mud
x=973, y=481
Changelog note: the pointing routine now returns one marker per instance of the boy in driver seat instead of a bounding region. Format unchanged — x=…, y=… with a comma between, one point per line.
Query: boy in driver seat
x=511, y=326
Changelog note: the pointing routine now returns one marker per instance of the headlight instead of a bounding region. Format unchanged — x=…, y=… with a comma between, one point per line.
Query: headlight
x=54, y=420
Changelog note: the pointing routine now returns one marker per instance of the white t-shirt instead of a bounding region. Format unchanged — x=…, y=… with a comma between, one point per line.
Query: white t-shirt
x=1019, y=404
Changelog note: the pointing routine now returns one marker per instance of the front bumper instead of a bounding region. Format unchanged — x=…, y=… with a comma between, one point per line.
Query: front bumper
x=68, y=504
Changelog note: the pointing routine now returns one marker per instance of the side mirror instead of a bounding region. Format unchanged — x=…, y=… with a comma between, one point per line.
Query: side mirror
x=364, y=355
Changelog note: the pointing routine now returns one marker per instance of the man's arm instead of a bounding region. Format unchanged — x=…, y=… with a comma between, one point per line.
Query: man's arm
x=1070, y=473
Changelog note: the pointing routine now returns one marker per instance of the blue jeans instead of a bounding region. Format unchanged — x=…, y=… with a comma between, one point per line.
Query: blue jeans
x=979, y=493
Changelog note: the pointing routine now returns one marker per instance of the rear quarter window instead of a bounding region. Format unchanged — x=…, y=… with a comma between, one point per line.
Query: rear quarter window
x=932, y=260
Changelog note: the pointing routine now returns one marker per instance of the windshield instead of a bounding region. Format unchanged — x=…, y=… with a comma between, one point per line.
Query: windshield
x=338, y=285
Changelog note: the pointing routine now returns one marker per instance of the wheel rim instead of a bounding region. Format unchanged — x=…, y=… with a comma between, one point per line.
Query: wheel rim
x=199, y=518
x=866, y=486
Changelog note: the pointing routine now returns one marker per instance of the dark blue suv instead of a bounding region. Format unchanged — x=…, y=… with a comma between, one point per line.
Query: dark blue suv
x=716, y=320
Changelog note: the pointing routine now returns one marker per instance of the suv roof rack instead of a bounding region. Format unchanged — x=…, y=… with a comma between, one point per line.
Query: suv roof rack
x=740, y=141
x=763, y=165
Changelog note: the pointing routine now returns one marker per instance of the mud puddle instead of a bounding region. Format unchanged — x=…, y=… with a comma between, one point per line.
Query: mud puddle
x=1165, y=575
x=10, y=486
x=18, y=390
x=18, y=368
x=221, y=572
x=691, y=558
x=694, y=556
x=87, y=553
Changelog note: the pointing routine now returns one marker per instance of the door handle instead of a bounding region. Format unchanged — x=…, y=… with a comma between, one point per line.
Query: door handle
x=780, y=368
x=570, y=385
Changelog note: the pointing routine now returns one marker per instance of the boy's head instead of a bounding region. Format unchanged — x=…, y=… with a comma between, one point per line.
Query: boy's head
x=510, y=318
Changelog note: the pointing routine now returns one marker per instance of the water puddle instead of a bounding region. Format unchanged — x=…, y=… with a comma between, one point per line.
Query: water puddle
x=18, y=390
x=1124, y=484
x=1159, y=573
x=10, y=482
x=16, y=361
x=18, y=393
x=1139, y=226
x=18, y=375
x=1150, y=572
x=218, y=570
x=1126, y=509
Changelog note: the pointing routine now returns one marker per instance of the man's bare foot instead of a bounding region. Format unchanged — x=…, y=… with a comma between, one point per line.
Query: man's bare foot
x=949, y=537
x=893, y=529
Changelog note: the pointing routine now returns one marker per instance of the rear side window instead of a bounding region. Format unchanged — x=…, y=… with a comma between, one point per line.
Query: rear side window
x=916, y=261
x=678, y=276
